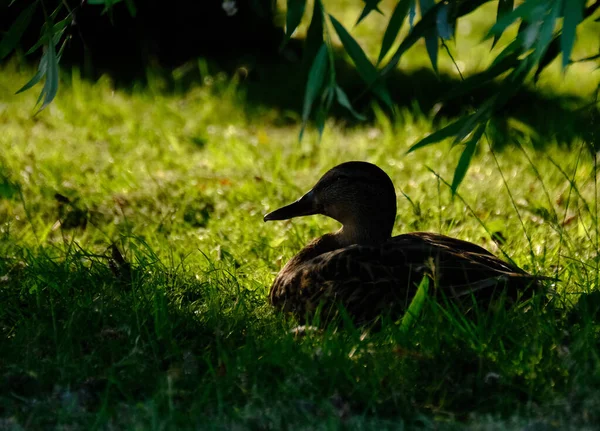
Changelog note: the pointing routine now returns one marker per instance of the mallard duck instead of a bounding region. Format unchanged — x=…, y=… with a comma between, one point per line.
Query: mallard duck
x=364, y=268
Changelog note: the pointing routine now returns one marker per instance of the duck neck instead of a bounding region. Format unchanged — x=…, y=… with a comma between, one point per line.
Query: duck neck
x=361, y=234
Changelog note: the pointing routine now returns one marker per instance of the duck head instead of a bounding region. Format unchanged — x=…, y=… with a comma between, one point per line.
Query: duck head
x=359, y=195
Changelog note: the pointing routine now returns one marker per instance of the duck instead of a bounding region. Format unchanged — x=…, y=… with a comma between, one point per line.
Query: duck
x=369, y=272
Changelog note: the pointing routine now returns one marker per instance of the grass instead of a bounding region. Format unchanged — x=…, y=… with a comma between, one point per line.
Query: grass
x=178, y=333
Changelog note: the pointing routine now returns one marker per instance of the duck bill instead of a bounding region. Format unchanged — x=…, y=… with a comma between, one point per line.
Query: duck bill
x=304, y=206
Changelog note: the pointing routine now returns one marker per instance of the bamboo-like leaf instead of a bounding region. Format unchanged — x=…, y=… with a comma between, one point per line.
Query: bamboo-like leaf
x=465, y=158
x=523, y=11
x=314, y=35
x=316, y=77
x=394, y=26
x=51, y=83
x=416, y=305
x=15, y=32
x=412, y=13
x=370, y=6
x=444, y=133
x=547, y=29
x=295, y=12
x=552, y=53
x=480, y=79
x=343, y=100
x=431, y=35
x=573, y=13
x=417, y=32
x=444, y=29
x=38, y=76
x=481, y=116
x=364, y=67
x=56, y=31
x=131, y=7
x=504, y=7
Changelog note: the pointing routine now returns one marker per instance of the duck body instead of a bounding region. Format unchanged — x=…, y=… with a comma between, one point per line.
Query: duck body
x=371, y=273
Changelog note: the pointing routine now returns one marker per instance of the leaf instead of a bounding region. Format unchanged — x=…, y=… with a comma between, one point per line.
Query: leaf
x=56, y=30
x=370, y=6
x=444, y=29
x=51, y=83
x=573, y=13
x=316, y=77
x=131, y=7
x=295, y=12
x=444, y=133
x=15, y=32
x=343, y=100
x=314, y=35
x=394, y=26
x=546, y=30
x=38, y=76
x=416, y=305
x=465, y=158
x=504, y=8
x=417, y=32
x=524, y=11
x=412, y=12
x=475, y=81
x=431, y=35
x=365, y=68
x=552, y=53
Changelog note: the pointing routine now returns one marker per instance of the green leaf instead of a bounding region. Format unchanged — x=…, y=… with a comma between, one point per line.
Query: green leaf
x=547, y=29
x=295, y=12
x=504, y=8
x=483, y=112
x=131, y=7
x=417, y=32
x=431, y=35
x=370, y=6
x=15, y=32
x=465, y=158
x=475, y=81
x=56, y=30
x=444, y=29
x=416, y=305
x=364, y=67
x=394, y=26
x=552, y=53
x=38, y=76
x=343, y=100
x=314, y=35
x=51, y=83
x=412, y=13
x=316, y=77
x=573, y=13
x=524, y=11
x=444, y=133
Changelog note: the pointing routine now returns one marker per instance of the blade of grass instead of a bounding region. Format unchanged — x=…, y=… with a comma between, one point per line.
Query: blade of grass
x=416, y=305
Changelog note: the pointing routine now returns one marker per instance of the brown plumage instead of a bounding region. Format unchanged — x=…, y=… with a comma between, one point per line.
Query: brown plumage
x=366, y=270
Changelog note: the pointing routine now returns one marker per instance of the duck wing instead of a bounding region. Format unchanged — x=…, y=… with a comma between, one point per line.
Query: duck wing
x=369, y=280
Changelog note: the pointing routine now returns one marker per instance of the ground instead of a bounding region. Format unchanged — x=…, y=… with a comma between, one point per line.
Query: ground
x=135, y=266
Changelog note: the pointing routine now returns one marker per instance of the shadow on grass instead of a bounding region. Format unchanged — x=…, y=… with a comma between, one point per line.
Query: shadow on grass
x=103, y=338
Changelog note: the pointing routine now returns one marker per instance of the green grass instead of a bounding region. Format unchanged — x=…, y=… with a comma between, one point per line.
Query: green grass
x=181, y=335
